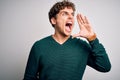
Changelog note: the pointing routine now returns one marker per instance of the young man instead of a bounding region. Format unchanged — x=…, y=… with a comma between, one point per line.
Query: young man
x=64, y=57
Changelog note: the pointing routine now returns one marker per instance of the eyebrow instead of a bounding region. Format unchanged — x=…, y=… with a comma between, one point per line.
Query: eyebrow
x=67, y=12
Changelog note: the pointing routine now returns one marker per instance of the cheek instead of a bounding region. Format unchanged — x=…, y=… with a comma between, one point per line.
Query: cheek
x=61, y=22
x=73, y=22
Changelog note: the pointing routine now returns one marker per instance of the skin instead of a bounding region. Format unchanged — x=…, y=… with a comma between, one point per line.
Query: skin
x=63, y=32
x=86, y=30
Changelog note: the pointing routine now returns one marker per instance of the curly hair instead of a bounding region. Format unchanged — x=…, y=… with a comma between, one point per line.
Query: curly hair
x=59, y=6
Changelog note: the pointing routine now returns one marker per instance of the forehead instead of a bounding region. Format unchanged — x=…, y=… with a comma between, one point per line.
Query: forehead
x=67, y=9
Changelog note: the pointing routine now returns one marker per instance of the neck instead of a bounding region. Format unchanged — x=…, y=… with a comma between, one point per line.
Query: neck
x=59, y=38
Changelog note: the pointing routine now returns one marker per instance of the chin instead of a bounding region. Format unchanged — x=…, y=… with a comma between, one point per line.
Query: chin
x=67, y=34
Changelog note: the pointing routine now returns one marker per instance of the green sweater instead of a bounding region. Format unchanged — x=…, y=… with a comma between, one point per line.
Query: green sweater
x=49, y=60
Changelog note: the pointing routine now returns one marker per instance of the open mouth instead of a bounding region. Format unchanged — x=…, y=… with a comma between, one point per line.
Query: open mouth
x=68, y=26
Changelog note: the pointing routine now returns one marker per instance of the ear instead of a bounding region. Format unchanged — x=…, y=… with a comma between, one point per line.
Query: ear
x=53, y=21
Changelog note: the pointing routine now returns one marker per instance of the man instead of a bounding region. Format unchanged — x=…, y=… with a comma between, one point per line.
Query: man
x=64, y=57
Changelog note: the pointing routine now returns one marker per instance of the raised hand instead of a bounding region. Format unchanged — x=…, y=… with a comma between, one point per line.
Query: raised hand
x=85, y=28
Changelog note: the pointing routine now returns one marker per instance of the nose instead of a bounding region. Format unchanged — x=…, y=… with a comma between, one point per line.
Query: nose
x=70, y=16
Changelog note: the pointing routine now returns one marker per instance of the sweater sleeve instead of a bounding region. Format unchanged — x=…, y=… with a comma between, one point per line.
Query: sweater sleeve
x=32, y=64
x=98, y=58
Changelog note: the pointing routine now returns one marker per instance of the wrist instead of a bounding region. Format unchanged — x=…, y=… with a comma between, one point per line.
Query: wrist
x=93, y=37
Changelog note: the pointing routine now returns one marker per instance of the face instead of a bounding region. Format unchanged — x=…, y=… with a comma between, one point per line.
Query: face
x=64, y=22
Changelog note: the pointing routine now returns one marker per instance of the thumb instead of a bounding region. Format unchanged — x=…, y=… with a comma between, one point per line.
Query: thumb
x=76, y=35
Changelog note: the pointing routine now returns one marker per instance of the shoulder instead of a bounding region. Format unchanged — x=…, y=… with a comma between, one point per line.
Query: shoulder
x=81, y=42
x=42, y=41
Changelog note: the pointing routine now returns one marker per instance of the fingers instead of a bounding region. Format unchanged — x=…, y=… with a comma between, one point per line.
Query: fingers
x=85, y=27
x=82, y=19
x=79, y=19
x=86, y=20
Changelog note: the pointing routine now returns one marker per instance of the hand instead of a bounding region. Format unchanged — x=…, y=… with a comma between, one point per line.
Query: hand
x=85, y=28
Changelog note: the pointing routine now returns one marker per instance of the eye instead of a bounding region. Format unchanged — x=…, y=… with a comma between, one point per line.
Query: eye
x=73, y=14
x=64, y=13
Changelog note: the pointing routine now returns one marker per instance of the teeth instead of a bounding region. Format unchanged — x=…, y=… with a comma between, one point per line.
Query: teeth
x=69, y=22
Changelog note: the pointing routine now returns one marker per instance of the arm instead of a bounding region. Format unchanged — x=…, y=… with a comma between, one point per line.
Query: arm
x=32, y=65
x=98, y=58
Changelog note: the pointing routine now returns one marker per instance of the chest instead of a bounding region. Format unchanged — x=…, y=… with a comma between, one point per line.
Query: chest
x=64, y=56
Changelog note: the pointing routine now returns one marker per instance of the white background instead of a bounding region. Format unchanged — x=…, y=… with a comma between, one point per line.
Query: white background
x=22, y=22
